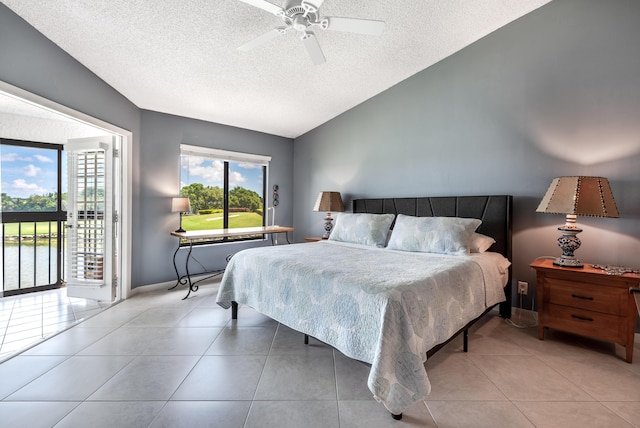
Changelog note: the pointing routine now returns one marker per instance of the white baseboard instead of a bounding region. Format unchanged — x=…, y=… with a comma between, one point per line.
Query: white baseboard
x=522, y=318
x=168, y=284
x=524, y=312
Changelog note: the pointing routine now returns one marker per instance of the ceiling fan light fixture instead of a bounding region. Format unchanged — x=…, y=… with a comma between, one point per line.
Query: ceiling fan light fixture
x=300, y=23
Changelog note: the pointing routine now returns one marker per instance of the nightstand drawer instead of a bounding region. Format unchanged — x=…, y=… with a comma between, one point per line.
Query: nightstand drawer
x=587, y=323
x=607, y=300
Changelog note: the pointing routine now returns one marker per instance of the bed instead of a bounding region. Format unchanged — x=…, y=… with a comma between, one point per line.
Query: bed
x=390, y=300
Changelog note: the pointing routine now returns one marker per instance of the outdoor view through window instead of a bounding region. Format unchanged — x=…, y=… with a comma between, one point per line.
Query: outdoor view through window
x=208, y=177
x=29, y=178
x=33, y=201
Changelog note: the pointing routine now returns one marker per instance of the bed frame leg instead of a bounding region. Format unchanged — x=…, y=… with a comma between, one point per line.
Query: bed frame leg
x=465, y=340
x=306, y=339
x=396, y=417
x=234, y=310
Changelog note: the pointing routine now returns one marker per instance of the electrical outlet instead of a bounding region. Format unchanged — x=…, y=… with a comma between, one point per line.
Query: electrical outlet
x=523, y=287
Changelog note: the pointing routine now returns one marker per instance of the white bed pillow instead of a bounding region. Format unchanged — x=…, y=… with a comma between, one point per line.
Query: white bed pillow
x=443, y=235
x=480, y=243
x=362, y=228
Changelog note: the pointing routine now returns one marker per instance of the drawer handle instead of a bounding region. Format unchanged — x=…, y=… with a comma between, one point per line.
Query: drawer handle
x=582, y=318
x=581, y=297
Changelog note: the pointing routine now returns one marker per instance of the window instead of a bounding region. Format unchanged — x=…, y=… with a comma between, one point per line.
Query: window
x=30, y=176
x=226, y=189
x=33, y=212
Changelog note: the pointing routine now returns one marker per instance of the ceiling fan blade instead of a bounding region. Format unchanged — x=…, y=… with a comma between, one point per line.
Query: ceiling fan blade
x=314, y=3
x=355, y=25
x=261, y=40
x=264, y=5
x=313, y=48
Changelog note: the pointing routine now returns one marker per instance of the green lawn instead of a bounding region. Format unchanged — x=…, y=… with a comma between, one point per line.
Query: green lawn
x=214, y=221
x=189, y=222
x=42, y=228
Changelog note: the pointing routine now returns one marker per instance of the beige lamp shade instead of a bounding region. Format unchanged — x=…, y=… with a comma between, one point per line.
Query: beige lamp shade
x=180, y=205
x=588, y=196
x=574, y=196
x=329, y=202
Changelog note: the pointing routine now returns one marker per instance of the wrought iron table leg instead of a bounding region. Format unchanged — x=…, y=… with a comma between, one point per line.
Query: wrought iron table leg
x=192, y=286
x=179, y=280
x=286, y=235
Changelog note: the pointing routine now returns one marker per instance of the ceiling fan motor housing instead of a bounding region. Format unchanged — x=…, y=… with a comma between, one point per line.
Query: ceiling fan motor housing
x=300, y=18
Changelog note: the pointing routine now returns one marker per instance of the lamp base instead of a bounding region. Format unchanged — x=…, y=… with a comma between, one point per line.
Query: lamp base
x=569, y=242
x=180, y=230
x=328, y=226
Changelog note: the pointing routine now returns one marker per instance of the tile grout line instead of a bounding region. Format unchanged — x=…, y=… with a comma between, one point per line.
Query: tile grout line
x=6, y=327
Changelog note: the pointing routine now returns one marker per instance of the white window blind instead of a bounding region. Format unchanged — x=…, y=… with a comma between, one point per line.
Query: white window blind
x=224, y=155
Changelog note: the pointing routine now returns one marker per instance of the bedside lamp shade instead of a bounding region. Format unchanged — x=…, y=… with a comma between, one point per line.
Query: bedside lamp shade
x=328, y=202
x=180, y=205
x=590, y=196
x=574, y=196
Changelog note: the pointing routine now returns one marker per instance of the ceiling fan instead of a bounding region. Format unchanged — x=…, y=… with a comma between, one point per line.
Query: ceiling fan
x=302, y=17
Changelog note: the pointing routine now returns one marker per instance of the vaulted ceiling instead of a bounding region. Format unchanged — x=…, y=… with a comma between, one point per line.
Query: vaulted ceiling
x=181, y=57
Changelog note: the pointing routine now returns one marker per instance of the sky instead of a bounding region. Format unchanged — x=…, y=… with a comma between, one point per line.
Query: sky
x=210, y=172
x=26, y=171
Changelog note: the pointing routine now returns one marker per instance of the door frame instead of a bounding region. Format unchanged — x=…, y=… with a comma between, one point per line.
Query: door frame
x=123, y=289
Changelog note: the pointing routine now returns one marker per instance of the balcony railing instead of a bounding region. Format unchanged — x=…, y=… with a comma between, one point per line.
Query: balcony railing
x=32, y=256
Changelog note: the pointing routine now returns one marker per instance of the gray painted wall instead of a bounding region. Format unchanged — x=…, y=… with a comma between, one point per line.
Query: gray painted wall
x=30, y=61
x=556, y=92
x=162, y=135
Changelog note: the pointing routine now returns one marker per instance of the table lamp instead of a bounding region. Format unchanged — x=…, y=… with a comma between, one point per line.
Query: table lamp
x=574, y=196
x=329, y=202
x=180, y=205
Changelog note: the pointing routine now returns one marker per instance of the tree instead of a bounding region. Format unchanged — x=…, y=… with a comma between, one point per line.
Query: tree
x=212, y=197
x=34, y=203
x=201, y=197
x=239, y=197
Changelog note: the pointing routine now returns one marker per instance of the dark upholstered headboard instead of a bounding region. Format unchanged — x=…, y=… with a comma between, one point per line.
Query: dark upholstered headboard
x=494, y=211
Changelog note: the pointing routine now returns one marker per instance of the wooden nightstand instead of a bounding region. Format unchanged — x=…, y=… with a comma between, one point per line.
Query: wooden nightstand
x=313, y=238
x=586, y=301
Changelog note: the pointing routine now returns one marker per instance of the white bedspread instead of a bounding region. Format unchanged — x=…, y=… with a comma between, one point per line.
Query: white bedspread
x=383, y=307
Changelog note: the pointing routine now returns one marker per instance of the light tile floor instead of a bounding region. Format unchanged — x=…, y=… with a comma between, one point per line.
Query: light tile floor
x=157, y=361
x=29, y=318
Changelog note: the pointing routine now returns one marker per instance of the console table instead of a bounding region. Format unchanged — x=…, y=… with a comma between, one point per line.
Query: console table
x=196, y=235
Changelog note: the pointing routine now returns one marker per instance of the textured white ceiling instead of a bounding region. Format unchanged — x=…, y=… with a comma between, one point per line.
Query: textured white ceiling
x=181, y=57
x=21, y=120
